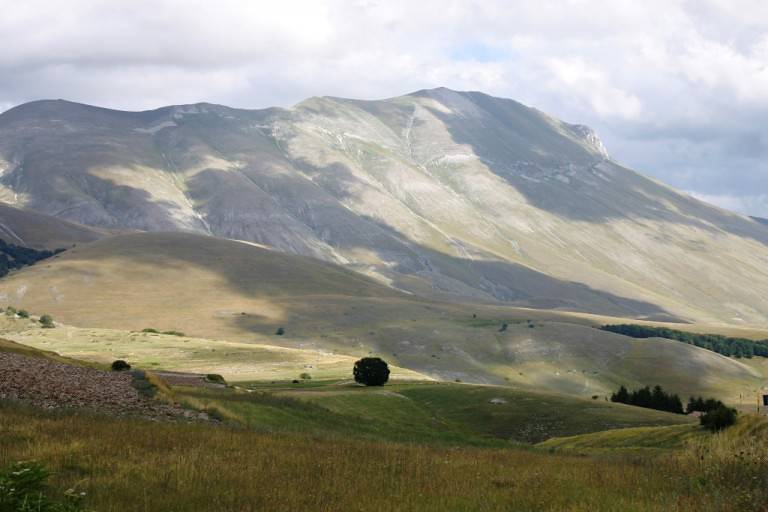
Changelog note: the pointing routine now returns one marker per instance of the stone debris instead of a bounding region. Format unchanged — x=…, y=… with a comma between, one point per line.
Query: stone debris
x=52, y=385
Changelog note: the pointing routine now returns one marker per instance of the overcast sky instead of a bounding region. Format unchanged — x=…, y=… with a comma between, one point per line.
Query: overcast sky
x=676, y=89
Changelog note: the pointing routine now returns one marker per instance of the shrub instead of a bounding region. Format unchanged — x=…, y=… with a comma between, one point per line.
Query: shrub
x=23, y=313
x=10, y=311
x=120, y=365
x=371, y=371
x=151, y=330
x=47, y=322
x=173, y=333
x=719, y=418
x=23, y=489
x=280, y=331
x=215, y=378
x=294, y=381
x=305, y=376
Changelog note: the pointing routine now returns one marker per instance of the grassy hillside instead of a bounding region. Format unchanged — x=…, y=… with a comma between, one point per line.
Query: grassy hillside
x=418, y=411
x=634, y=439
x=213, y=289
x=128, y=465
x=39, y=231
x=236, y=361
x=25, y=350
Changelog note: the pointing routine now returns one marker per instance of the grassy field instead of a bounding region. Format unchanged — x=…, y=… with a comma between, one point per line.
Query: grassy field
x=25, y=350
x=633, y=439
x=130, y=465
x=236, y=361
x=418, y=412
x=549, y=356
x=328, y=445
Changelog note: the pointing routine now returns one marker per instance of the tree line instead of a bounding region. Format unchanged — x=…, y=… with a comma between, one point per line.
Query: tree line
x=13, y=257
x=715, y=414
x=655, y=398
x=725, y=345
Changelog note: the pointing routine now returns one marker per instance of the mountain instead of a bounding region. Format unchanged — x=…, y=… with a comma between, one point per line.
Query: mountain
x=449, y=195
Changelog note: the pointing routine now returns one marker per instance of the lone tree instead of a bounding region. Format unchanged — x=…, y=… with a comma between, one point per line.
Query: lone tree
x=47, y=322
x=371, y=371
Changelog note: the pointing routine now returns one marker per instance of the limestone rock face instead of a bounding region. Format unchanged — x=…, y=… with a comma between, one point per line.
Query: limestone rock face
x=452, y=195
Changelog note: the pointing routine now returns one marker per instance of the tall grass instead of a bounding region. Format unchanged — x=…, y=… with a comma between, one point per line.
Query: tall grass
x=732, y=466
x=131, y=465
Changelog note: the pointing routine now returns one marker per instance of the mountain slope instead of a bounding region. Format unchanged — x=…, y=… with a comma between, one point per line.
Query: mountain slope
x=39, y=231
x=447, y=194
x=226, y=290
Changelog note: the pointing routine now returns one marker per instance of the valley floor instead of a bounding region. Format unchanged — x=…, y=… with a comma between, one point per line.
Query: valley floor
x=327, y=444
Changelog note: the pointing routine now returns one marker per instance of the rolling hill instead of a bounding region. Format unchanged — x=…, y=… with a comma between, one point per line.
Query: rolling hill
x=213, y=289
x=39, y=231
x=450, y=195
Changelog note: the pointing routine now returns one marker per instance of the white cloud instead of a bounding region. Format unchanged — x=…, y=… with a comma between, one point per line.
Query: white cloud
x=574, y=76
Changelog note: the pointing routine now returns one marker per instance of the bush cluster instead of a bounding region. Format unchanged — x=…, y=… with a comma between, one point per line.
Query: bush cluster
x=719, y=418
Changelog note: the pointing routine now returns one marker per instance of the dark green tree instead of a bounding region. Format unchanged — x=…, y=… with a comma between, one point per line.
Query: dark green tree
x=719, y=418
x=120, y=365
x=46, y=321
x=371, y=371
x=621, y=396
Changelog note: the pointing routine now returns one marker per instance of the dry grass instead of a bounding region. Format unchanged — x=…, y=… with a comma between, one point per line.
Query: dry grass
x=236, y=361
x=733, y=465
x=130, y=465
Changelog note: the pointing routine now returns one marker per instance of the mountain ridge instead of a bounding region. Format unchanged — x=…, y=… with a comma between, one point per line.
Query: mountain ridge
x=453, y=195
